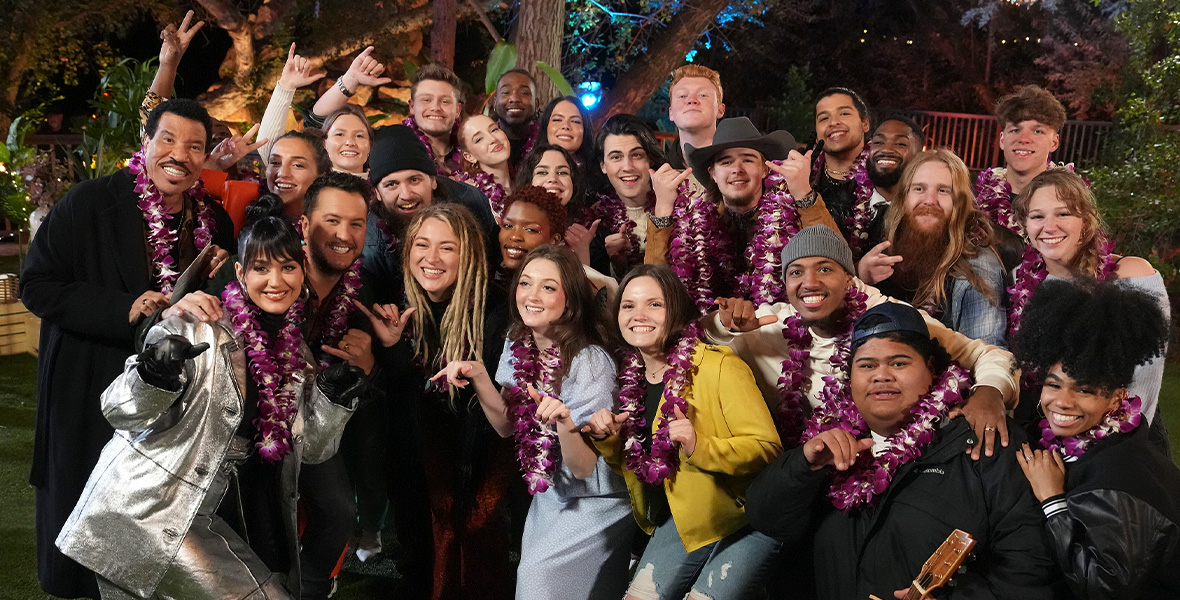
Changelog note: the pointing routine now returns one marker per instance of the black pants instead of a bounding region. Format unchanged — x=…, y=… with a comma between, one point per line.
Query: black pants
x=327, y=497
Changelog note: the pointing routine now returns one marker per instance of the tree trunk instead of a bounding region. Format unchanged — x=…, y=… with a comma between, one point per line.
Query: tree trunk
x=540, y=26
x=664, y=55
x=442, y=34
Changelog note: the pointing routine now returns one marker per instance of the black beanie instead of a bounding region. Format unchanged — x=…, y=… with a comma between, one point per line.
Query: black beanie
x=397, y=148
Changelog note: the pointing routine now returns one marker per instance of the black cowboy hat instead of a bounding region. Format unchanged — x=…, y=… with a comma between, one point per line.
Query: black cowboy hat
x=739, y=132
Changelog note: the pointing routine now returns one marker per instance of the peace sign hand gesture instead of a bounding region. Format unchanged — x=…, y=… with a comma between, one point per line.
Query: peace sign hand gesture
x=175, y=40
x=388, y=323
x=232, y=149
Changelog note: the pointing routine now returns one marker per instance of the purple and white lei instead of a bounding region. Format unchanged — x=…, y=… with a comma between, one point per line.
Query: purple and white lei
x=337, y=323
x=456, y=153
x=663, y=460
x=271, y=365
x=492, y=189
x=993, y=196
x=1123, y=419
x=160, y=238
x=697, y=241
x=776, y=222
x=537, y=448
x=861, y=218
x=790, y=414
x=870, y=475
x=613, y=213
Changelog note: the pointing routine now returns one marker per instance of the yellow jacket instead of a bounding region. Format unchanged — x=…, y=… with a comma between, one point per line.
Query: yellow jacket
x=736, y=438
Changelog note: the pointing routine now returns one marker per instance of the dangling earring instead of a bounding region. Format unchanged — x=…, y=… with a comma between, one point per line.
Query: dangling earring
x=304, y=293
x=1041, y=409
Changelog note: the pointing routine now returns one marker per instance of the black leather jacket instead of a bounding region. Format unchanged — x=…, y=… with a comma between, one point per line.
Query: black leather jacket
x=1116, y=531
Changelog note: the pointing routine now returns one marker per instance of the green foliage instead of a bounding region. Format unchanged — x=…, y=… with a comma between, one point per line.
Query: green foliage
x=1138, y=188
x=501, y=61
x=795, y=109
x=563, y=87
x=113, y=135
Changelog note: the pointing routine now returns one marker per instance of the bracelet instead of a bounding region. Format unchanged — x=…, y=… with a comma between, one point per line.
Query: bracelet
x=807, y=201
x=344, y=90
x=661, y=222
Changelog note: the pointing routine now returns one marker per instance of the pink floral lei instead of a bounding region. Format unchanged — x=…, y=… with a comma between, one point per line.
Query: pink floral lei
x=271, y=366
x=870, y=475
x=613, y=212
x=777, y=221
x=160, y=238
x=993, y=196
x=492, y=189
x=861, y=219
x=697, y=241
x=790, y=414
x=530, y=138
x=456, y=153
x=1032, y=272
x=663, y=460
x=1123, y=419
x=537, y=448
x=337, y=323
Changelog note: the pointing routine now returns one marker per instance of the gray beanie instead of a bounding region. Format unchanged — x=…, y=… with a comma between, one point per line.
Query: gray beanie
x=819, y=240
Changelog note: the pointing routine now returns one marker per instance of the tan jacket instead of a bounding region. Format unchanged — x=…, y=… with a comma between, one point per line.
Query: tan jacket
x=154, y=473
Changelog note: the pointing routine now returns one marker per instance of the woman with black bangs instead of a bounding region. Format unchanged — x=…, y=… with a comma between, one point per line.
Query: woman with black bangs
x=194, y=496
x=555, y=169
x=1111, y=498
x=567, y=124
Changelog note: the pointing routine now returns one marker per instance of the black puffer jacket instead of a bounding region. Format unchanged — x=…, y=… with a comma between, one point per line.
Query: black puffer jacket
x=1116, y=532
x=881, y=548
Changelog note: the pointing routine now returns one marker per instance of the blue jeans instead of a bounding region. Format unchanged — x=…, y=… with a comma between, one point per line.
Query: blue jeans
x=732, y=567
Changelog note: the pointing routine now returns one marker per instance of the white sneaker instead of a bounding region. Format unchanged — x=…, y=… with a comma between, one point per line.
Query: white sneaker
x=369, y=545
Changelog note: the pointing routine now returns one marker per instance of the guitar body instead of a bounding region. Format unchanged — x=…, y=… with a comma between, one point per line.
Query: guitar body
x=941, y=565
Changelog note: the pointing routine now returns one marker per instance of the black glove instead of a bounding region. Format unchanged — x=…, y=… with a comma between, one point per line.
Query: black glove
x=342, y=383
x=161, y=363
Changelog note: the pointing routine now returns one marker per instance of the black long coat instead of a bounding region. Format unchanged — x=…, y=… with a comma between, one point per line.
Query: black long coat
x=85, y=268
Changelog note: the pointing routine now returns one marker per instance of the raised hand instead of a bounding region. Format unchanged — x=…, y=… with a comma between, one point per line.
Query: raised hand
x=459, y=373
x=174, y=40
x=578, y=236
x=161, y=363
x=232, y=149
x=876, y=266
x=204, y=307
x=605, y=423
x=796, y=170
x=388, y=323
x=365, y=70
x=550, y=410
x=297, y=72
x=680, y=431
x=356, y=348
x=737, y=315
x=617, y=245
x=834, y=447
x=666, y=183
x=1044, y=469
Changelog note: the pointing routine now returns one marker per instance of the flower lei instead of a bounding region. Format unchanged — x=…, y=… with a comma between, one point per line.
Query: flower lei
x=870, y=475
x=613, y=212
x=271, y=367
x=1032, y=272
x=160, y=238
x=794, y=382
x=993, y=196
x=697, y=240
x=337, y=323
x=530, y=138
x=1123, y=419
x=536, y=445
x=452, y=159
x=861, y=219
x=492, y=189
x=776, y=223
x=663, y=460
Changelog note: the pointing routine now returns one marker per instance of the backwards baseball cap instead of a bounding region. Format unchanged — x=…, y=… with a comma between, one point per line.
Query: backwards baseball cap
x=819, y=240
x=397, y=148
x=888, y=317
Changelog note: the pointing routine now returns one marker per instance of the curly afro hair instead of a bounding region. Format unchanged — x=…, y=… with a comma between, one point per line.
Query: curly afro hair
x=1098, y=332
x=549, y=203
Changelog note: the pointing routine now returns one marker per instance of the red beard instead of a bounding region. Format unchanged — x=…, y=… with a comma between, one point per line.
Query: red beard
x=922, y=248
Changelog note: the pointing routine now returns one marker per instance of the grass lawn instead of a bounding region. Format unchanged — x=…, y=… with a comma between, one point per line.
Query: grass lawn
x=18, y=579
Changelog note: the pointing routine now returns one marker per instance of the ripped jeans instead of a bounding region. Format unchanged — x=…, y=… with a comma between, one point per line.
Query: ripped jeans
x=731, y=568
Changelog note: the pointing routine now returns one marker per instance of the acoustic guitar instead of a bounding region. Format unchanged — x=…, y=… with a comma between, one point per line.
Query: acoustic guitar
x=941, y=565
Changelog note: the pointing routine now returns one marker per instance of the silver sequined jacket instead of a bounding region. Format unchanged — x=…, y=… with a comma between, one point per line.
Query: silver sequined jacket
x=153, y=474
